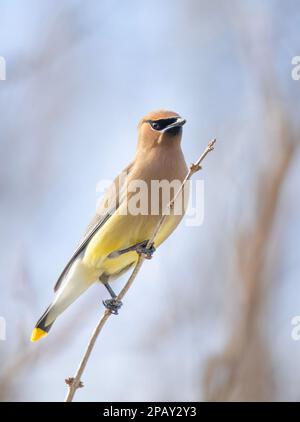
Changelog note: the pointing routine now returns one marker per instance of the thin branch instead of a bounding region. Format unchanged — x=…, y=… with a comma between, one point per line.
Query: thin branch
x=75, y=382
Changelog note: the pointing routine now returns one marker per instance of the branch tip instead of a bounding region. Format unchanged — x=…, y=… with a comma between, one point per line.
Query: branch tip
x=211, y=145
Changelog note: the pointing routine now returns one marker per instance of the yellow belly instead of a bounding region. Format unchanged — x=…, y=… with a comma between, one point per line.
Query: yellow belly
x=120, y=232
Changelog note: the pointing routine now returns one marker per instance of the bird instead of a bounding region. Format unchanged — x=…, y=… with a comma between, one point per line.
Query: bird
x=117, y=235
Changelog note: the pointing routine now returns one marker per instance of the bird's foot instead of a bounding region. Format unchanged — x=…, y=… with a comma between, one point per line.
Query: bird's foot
x=113, y=305
x=142, y=249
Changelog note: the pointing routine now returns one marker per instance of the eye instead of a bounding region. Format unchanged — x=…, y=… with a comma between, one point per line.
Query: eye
x=161, y=123
x=155, y=125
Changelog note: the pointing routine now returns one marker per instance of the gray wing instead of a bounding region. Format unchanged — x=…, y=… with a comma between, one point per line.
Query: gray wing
x=114, y=195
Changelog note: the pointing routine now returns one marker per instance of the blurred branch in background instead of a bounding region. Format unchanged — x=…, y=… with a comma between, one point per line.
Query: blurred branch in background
x=243, y=371
x=27, y=157
x=20, y=359
x=24, y=359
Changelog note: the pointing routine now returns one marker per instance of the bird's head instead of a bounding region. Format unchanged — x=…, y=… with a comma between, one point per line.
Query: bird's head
x=160, y=128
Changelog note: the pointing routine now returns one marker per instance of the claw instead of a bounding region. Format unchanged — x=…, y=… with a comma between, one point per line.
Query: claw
x=146, y=252
x=112, y=305
x=140, y=248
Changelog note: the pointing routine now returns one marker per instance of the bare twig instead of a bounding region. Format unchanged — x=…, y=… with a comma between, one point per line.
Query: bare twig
x=75, y=382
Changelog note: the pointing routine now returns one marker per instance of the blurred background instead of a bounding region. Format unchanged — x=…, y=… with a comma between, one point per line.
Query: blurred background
x=216, y=323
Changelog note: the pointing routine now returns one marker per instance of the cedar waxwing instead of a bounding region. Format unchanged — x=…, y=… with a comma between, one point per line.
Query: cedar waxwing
x=115, y=237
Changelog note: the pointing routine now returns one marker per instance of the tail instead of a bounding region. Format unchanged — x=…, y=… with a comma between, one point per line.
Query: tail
x=77, y=280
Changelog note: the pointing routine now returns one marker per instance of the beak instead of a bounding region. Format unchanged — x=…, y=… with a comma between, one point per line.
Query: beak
x=179, y=122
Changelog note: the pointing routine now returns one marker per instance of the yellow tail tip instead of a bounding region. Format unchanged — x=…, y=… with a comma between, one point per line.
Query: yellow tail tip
x=37, y=333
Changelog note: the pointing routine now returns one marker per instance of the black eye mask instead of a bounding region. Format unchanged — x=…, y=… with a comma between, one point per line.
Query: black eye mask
x=161, y=124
